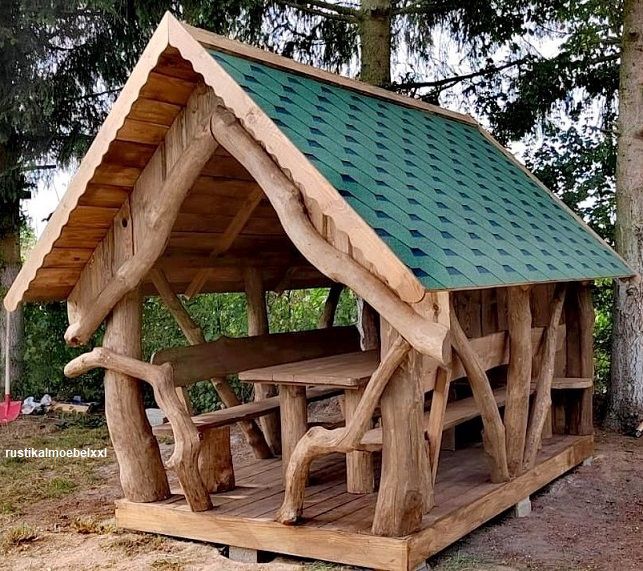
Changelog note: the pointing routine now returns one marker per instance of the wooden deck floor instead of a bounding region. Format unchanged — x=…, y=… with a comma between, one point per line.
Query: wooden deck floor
x=337, y=524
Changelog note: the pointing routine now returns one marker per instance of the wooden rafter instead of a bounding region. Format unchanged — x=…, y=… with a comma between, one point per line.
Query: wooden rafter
x=230, y=234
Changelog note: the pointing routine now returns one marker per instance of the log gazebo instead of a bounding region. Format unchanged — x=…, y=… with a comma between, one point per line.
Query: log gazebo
x=467, y=383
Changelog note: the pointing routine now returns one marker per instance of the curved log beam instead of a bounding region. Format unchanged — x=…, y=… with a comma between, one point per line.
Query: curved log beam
x=320, y=441
x=494, y=430
x=542, y=402
x=185, y=458
x=423, y=334
x=157, y=222
x=194, y=335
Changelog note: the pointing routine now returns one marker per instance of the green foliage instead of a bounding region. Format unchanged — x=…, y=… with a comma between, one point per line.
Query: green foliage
x=46, y=354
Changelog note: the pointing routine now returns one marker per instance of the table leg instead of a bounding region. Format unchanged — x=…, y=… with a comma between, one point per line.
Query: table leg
x=359, y=465
x=294, y=419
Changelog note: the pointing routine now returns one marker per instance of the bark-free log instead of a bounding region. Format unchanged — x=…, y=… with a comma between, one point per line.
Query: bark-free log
x=327, y=317
x=427, y=337
x=155, y=203
x=319, y=441
x=142, y=474
x=215, y=460
x=494, y=430
x=406, y=485
x=542, y=403
x=258, y=325
x=360, y=477
x=518, y=376
x=184, y=459
x=194, y=335
x=583, y=422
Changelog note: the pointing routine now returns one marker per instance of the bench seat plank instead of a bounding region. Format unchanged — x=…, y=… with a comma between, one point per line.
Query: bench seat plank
x=458, y=412
x=246, y=411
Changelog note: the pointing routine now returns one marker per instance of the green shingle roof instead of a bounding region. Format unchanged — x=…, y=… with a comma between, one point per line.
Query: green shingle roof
x=450, y=204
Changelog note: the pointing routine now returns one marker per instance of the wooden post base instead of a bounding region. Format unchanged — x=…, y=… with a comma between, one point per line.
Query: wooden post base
x=360, y=476
x=215, y=460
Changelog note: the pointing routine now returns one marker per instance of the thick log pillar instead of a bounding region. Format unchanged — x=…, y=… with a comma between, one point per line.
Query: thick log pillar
x=518, y=376
x=405, y=486
x=142, y=474
x=258, y=325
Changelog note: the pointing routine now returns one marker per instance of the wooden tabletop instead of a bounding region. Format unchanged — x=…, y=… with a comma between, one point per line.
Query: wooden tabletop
x=349, y=370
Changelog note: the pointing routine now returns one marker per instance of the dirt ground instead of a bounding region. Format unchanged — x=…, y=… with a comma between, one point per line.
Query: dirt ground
x=60, y=517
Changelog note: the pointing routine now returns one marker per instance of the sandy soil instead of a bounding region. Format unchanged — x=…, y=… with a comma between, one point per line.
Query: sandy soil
x=590, y=519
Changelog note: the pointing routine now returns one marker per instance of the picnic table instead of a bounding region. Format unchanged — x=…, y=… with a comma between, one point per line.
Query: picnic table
x=348, y=371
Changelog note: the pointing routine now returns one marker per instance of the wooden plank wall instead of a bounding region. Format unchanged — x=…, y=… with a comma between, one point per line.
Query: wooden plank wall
x=483, y=312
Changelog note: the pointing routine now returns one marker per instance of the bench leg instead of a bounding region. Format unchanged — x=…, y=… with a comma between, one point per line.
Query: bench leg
x=294, y=419
x=215, y=460
x=359, y=465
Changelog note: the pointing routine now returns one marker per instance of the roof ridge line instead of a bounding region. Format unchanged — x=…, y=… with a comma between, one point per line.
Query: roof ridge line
x=211, y=40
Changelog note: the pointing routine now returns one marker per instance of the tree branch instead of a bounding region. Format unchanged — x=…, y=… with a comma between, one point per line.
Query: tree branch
x=323, y=10
x=451, y=81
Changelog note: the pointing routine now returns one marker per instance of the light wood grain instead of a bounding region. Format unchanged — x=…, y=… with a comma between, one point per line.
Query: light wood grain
x=227, y=355
x=349, y=370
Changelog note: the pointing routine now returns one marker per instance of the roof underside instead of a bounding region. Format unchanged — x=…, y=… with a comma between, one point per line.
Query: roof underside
x=444, y=198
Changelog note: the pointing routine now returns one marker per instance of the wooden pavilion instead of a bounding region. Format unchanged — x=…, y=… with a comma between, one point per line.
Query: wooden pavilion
x=467, y=384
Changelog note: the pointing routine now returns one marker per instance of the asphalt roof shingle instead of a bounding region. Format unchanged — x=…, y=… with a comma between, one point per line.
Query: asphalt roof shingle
x=449, y=203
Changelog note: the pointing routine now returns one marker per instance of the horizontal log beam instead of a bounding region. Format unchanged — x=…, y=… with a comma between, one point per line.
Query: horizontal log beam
x=227, y=356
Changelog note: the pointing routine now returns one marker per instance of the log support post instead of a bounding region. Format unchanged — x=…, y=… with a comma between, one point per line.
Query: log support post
x=258, y=325
x=581, y=421
x=142, y=474
x=494, y=430
x=542, y=402
x=405, y=492
x=518, y=376
x=360, y=477
x=215, y=460
x=327, y=317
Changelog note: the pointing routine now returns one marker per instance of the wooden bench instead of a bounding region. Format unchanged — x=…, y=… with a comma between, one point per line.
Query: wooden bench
x=229, y=356
x=246, y=411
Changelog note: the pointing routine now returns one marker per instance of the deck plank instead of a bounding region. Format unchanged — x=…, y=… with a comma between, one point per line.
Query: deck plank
x=336, y=524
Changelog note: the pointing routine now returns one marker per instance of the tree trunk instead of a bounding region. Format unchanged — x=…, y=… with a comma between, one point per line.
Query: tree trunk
x=626, y=391
x=9, y=267
x=375, y=42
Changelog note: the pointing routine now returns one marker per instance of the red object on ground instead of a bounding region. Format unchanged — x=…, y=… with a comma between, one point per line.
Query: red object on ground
x=9, y=409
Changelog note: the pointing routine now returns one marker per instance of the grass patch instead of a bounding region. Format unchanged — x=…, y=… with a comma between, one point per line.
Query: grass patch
x=58, y=487
x=459, y=562
x=167, y=564
x=16, y=536
x=29, y=480
x=131, y=544
x=90, y=525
